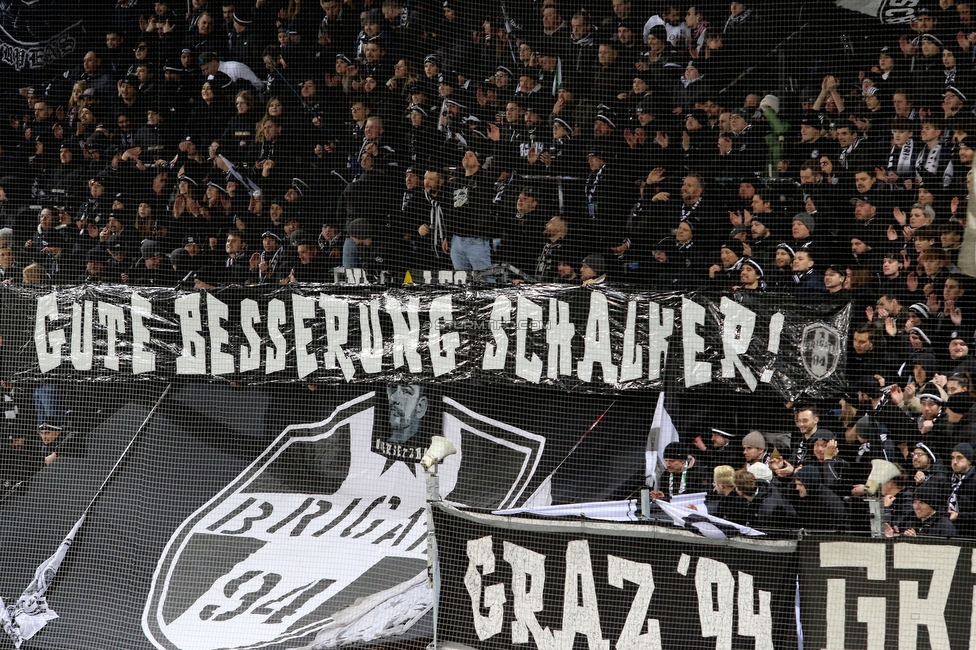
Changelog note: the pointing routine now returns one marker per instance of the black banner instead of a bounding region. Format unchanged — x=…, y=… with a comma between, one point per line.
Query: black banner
x=556, y=584
x=904, y=593
x=315, y=500
x=595, y=339
x=21, y=55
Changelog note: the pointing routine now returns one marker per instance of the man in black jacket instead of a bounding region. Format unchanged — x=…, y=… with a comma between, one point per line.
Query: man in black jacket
x=470, y=224
x=807, y=420
x=930, y=519
x=765, y=508
x=682, y=475
x=607, y=201
x=962, y=490
x=960, y=418
x=721, y=451
x=817, y=506
x=232, y=269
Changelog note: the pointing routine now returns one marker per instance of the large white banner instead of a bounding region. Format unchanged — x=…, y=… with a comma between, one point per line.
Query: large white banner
x=326, y=531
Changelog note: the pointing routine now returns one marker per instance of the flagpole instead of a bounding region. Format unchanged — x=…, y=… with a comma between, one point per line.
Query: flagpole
x=13, y=488
x=582, y=438
x=32, y=612
x=125, y=452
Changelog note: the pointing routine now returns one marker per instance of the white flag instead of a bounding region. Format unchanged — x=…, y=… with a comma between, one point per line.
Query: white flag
x=542, y=496
x=966, y=258
x=662, y=432
x=31, y=612
x=708, y=525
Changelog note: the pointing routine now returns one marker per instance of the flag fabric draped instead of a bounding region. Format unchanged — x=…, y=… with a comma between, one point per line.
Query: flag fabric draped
x=662, y=432
x=31, y=612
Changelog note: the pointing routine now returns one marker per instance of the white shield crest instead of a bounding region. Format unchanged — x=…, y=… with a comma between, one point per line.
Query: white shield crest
x=820, y=349
x=321, y=530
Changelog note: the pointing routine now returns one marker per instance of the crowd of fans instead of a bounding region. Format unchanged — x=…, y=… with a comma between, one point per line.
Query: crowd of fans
x=650, y=143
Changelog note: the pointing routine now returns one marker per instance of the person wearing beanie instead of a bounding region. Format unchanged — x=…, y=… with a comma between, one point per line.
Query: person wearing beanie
x=922, y=364
x=802, y=229
x=761, y=471
x=817, y=506
x=917, y=313
x=961, y=504
x=960, y=360
x=930, y=518
x=764, y=229
x=918, y=340
x=779, y=275
x=726, y=275
x=750, y=276
x=681, y=474
x=754, y=448
x=742, y=151
x=926, y=465
x=680, y=261
x=593, y=270
x=932, y=427
x=960, y=417
x=150, y=269
x=834, y=470
x=926, y=423
x=835, y=274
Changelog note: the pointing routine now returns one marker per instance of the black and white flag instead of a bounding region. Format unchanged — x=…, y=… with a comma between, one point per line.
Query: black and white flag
x=31, y=612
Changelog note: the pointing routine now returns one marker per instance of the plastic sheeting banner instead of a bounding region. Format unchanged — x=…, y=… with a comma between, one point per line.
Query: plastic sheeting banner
x=590, y=339
x=272, y=516
x=544, y=583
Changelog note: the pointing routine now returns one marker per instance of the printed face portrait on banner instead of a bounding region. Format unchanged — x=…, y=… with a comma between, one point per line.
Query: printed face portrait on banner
x=408, y=405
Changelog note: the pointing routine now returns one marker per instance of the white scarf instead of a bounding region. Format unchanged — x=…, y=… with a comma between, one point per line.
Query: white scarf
x=929, y=162
x=900, y=159
x=591, y=182
x=682, y=486
x=957, y=480
x=436, y=222
x=928, y=159
x=275, y=257
x=848, y=151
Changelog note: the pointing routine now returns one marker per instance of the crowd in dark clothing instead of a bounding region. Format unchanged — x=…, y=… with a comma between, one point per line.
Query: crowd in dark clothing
x=926, y=487
x=269, y=142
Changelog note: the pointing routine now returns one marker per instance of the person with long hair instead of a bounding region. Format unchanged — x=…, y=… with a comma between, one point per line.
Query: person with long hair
x=207, y=120
x=405, y=78
x=240, y=132
x=84, y=125
x=75, y=102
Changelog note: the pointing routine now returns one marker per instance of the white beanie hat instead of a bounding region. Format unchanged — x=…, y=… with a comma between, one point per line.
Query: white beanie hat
x=761, y=471
x=772, y=101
